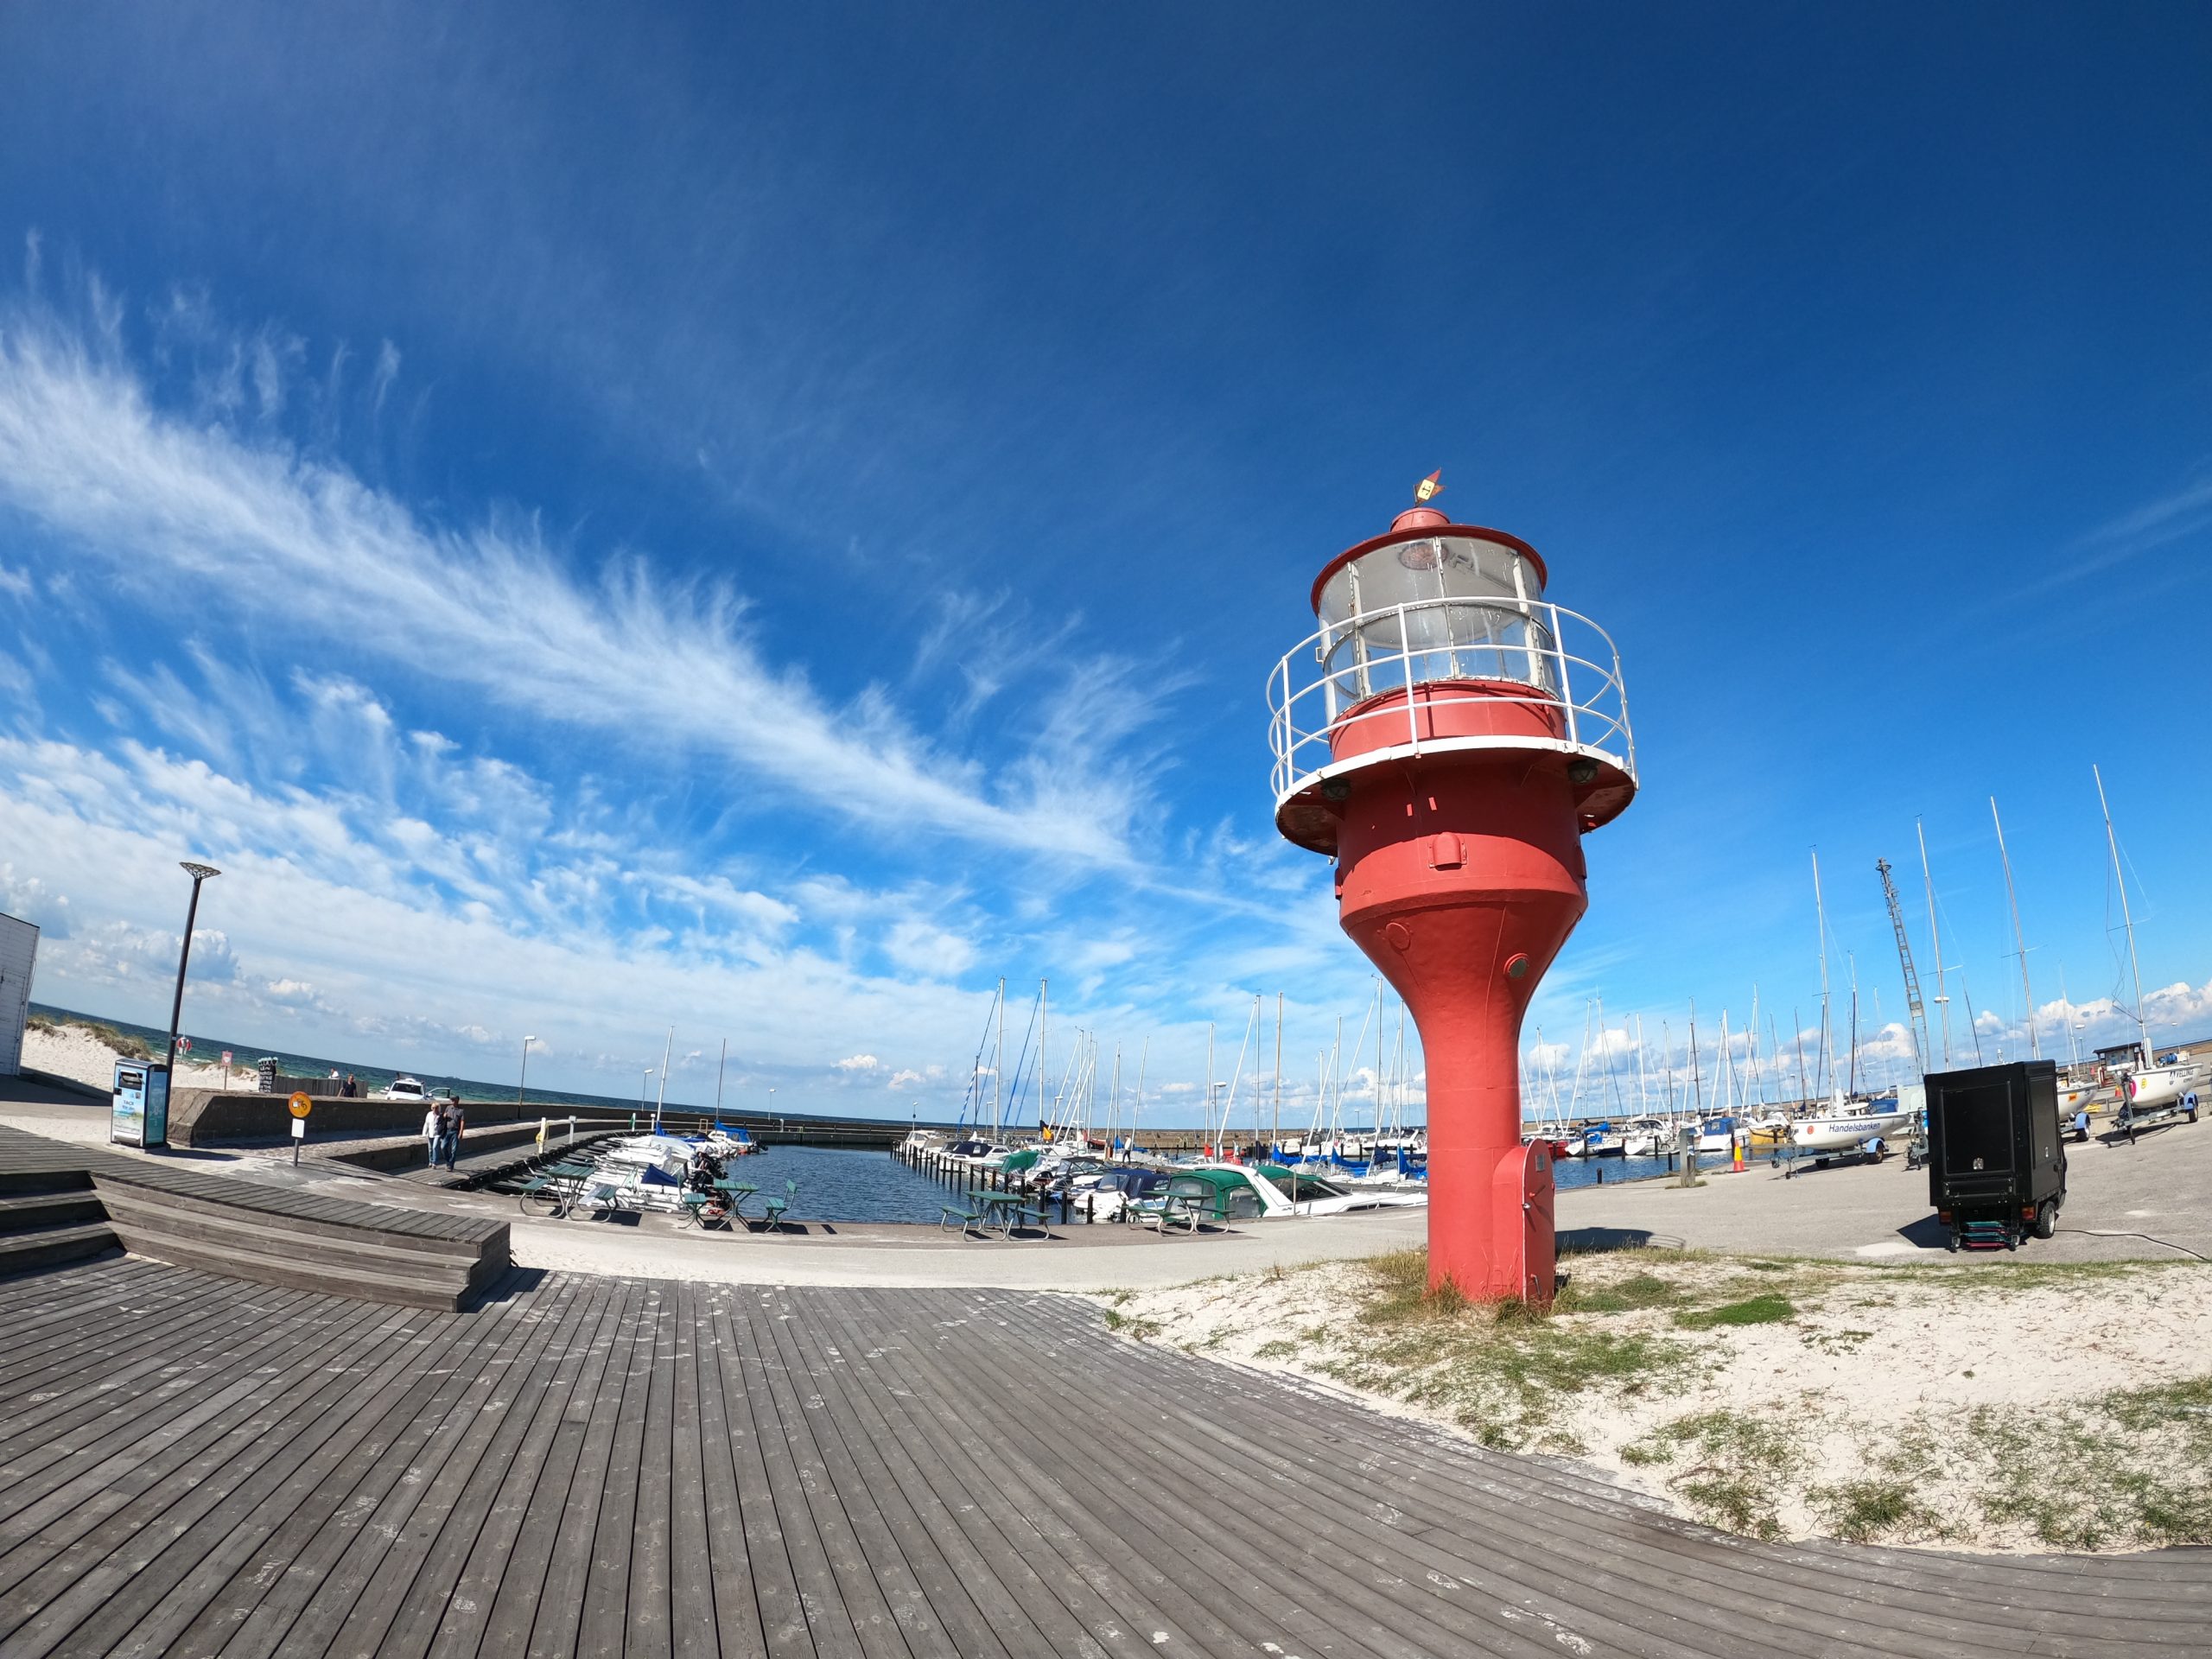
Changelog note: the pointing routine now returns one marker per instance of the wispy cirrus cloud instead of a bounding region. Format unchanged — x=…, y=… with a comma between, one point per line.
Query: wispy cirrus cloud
x=220, y=503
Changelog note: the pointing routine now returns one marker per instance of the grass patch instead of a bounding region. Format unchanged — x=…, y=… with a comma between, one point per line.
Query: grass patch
x=1867, y=1511
x=1280, y=1347
x=129, y=1047
x=1499, y=1370
x=1632, y=1296
x=1766, y=1309
x=1737, y=1469
x=1135, y=1329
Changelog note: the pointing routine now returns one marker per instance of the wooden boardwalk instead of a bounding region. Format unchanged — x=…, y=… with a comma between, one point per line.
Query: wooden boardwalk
x=189, y=1465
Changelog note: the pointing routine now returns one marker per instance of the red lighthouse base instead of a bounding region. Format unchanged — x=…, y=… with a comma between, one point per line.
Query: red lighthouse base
x=1461, y=876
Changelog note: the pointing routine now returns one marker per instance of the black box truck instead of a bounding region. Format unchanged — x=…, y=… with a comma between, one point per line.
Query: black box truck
x=1996, y=1168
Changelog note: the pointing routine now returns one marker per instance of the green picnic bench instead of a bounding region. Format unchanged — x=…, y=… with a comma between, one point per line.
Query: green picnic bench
x=986, y=1212
x=552, y=1192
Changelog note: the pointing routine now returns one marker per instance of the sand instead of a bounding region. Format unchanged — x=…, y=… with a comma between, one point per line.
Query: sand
x=72, y=1052
x=1906, y=1374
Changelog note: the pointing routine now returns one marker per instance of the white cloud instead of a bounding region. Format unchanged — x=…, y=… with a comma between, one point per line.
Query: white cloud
x=859, y=1063
x=928, y=951
x=85, y=450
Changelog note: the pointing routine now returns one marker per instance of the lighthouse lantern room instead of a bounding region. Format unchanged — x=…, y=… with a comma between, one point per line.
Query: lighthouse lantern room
x=1448, y=736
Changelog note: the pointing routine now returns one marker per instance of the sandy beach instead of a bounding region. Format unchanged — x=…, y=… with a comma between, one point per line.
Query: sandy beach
x=75, y=1053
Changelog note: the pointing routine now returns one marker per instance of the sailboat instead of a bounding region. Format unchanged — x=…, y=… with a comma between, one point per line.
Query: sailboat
x=2150, y=1083
x=1848, y=1123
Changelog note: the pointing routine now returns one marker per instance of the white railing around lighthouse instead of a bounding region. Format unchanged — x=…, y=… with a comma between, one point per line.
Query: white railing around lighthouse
x=1327, y=686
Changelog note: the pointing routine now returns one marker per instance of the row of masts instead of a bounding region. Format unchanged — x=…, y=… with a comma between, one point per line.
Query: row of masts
x=1074, y=1102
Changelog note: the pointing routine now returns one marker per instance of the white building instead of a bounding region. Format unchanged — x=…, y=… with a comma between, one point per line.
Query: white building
x=18, y=955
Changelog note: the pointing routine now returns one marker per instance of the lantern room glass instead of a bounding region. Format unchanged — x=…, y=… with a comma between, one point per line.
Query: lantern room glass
x=1440, y=607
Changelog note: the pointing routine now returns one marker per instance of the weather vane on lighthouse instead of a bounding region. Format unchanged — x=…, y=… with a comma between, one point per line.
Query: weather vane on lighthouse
x=1448, y=736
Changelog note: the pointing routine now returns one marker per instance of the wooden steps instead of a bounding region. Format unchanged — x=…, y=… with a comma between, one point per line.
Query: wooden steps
x=48, y=1218
x=367, y=1262
x=60, y=1202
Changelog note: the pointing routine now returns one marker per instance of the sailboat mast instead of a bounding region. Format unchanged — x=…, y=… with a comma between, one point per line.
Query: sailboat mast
x=1697, y=1080
x=1210, y=1083
x=660, y=1094
x=1136, y=1107
x=2128, y=920
x=1851, y=957
x=1400, y=1060
x=1275, y=1140
x=1751, y=1045
x=1379, y=1065
x=2019, y=939
x=1935, y=933
x=998, y=1067
x=1044, y=999
x=1821, y=914
x=1727, y=1067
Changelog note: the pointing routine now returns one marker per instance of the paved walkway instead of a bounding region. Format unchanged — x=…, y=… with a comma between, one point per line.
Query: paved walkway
x=2159, y=1189
x=593, y=1467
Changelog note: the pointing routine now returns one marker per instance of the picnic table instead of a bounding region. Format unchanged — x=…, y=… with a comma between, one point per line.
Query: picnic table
x=554, y=1190
x=988, y=1212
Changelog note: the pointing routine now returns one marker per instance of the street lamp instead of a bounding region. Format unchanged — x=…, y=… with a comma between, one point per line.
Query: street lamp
x=524, y=1077
x=199, y=873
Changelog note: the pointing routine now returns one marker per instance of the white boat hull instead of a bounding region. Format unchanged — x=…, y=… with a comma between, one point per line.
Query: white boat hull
x=1841, y=1133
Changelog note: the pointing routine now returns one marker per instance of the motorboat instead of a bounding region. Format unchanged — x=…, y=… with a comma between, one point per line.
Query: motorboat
x=1108, y=1194
x=1717, y=1135
x=1223, y=1191
x=726, y=1143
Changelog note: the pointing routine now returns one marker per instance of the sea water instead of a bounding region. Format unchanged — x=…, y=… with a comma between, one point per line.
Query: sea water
x=838, y=1184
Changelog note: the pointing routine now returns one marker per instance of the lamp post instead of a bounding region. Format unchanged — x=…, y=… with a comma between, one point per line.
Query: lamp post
x=199, y=873
x=524, y=1077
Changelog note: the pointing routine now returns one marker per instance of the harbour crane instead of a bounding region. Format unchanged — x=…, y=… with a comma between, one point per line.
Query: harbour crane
x=1904, y=960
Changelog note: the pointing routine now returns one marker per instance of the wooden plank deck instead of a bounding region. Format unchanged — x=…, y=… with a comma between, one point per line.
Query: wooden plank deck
x=191, y=1464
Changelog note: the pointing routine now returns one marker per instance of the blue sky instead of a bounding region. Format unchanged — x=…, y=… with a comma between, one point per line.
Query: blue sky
x=766, y=521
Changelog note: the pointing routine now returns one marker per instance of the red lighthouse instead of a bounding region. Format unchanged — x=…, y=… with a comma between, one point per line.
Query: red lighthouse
x=1448, y=737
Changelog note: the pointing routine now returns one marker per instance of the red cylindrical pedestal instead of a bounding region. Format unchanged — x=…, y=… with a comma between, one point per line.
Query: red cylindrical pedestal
x=1461, y=875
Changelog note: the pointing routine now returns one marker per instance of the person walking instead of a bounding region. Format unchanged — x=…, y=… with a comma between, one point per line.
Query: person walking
x=454, y=1125
x=430, y=1127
